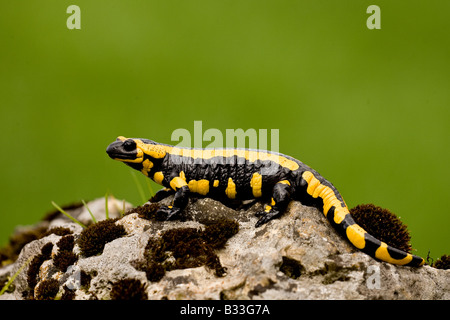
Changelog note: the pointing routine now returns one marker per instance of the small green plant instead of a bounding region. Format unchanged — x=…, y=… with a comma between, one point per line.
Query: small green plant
x=140, y=189
x=106, y=206
x=6, y=286
x=86, y=206
x=68, y=215
x=138, y=186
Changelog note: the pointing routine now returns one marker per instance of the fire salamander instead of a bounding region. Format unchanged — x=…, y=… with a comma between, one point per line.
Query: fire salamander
x=242, y=174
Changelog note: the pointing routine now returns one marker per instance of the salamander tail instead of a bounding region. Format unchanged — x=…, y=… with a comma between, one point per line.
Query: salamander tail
x=336, y=211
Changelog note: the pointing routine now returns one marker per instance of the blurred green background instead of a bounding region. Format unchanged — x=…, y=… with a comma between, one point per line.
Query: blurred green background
x=368, y=109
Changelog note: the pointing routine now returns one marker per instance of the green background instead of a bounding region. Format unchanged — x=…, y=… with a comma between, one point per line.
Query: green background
x=368, y=109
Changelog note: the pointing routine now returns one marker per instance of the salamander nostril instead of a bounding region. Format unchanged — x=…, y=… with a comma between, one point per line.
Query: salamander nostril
x=129, y=145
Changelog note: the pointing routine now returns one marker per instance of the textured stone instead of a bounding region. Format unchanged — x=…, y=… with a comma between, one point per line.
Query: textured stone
x=299, y=256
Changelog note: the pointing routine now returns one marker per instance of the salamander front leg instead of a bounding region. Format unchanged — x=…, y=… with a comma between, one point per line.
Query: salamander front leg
x=281, y=196
x=180, y=202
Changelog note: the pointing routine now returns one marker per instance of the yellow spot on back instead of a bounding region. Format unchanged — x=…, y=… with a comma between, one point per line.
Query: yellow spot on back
x=230, y=191
x=256, y=184
x=178, y=182
x=147, y=166
x=158, y=177
x=356, y=236
x=200, y=186
x=216, y=183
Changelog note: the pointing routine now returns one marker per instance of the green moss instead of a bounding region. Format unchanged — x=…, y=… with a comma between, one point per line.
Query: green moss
x=47, y=289
x=383, y=225
x=129, y=289
x=92, y=239
x=188, y=248
x=442, y=263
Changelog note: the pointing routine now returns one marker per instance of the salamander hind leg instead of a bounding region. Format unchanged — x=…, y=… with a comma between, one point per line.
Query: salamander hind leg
x=281, y=195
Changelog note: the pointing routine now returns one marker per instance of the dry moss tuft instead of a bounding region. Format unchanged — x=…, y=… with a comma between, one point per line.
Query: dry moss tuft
x=146, y=211
x=383, y=225
x=47, y=289
x=92, y=240
x=33, y=268
x=128, y=289
x=442, y=263
x=188, y=248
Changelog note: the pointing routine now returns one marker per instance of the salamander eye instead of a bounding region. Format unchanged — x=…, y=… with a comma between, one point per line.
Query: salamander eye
x=129, y=145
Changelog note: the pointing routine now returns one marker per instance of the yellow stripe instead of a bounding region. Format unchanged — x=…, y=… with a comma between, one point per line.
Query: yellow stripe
x=230, y=191
x=285, y=182
x=340, y=213
x=312, y=186
x=319, y=190
x=159, y=151
x=256, y=184
x=316, y=189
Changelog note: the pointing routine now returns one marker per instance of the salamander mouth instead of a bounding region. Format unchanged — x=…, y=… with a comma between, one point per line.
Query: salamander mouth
x=117, y=151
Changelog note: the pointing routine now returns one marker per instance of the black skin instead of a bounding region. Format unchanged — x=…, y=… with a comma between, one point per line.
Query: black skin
x=278, y=183
x=239, y=169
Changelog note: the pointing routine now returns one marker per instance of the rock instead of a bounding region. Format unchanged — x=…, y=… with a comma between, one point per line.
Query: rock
x=299, y=256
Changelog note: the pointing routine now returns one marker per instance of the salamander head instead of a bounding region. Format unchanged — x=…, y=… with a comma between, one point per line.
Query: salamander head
x=125, y=150
x=133, y=150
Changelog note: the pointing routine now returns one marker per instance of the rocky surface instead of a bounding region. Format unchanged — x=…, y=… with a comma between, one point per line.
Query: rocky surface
x=298, y=256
